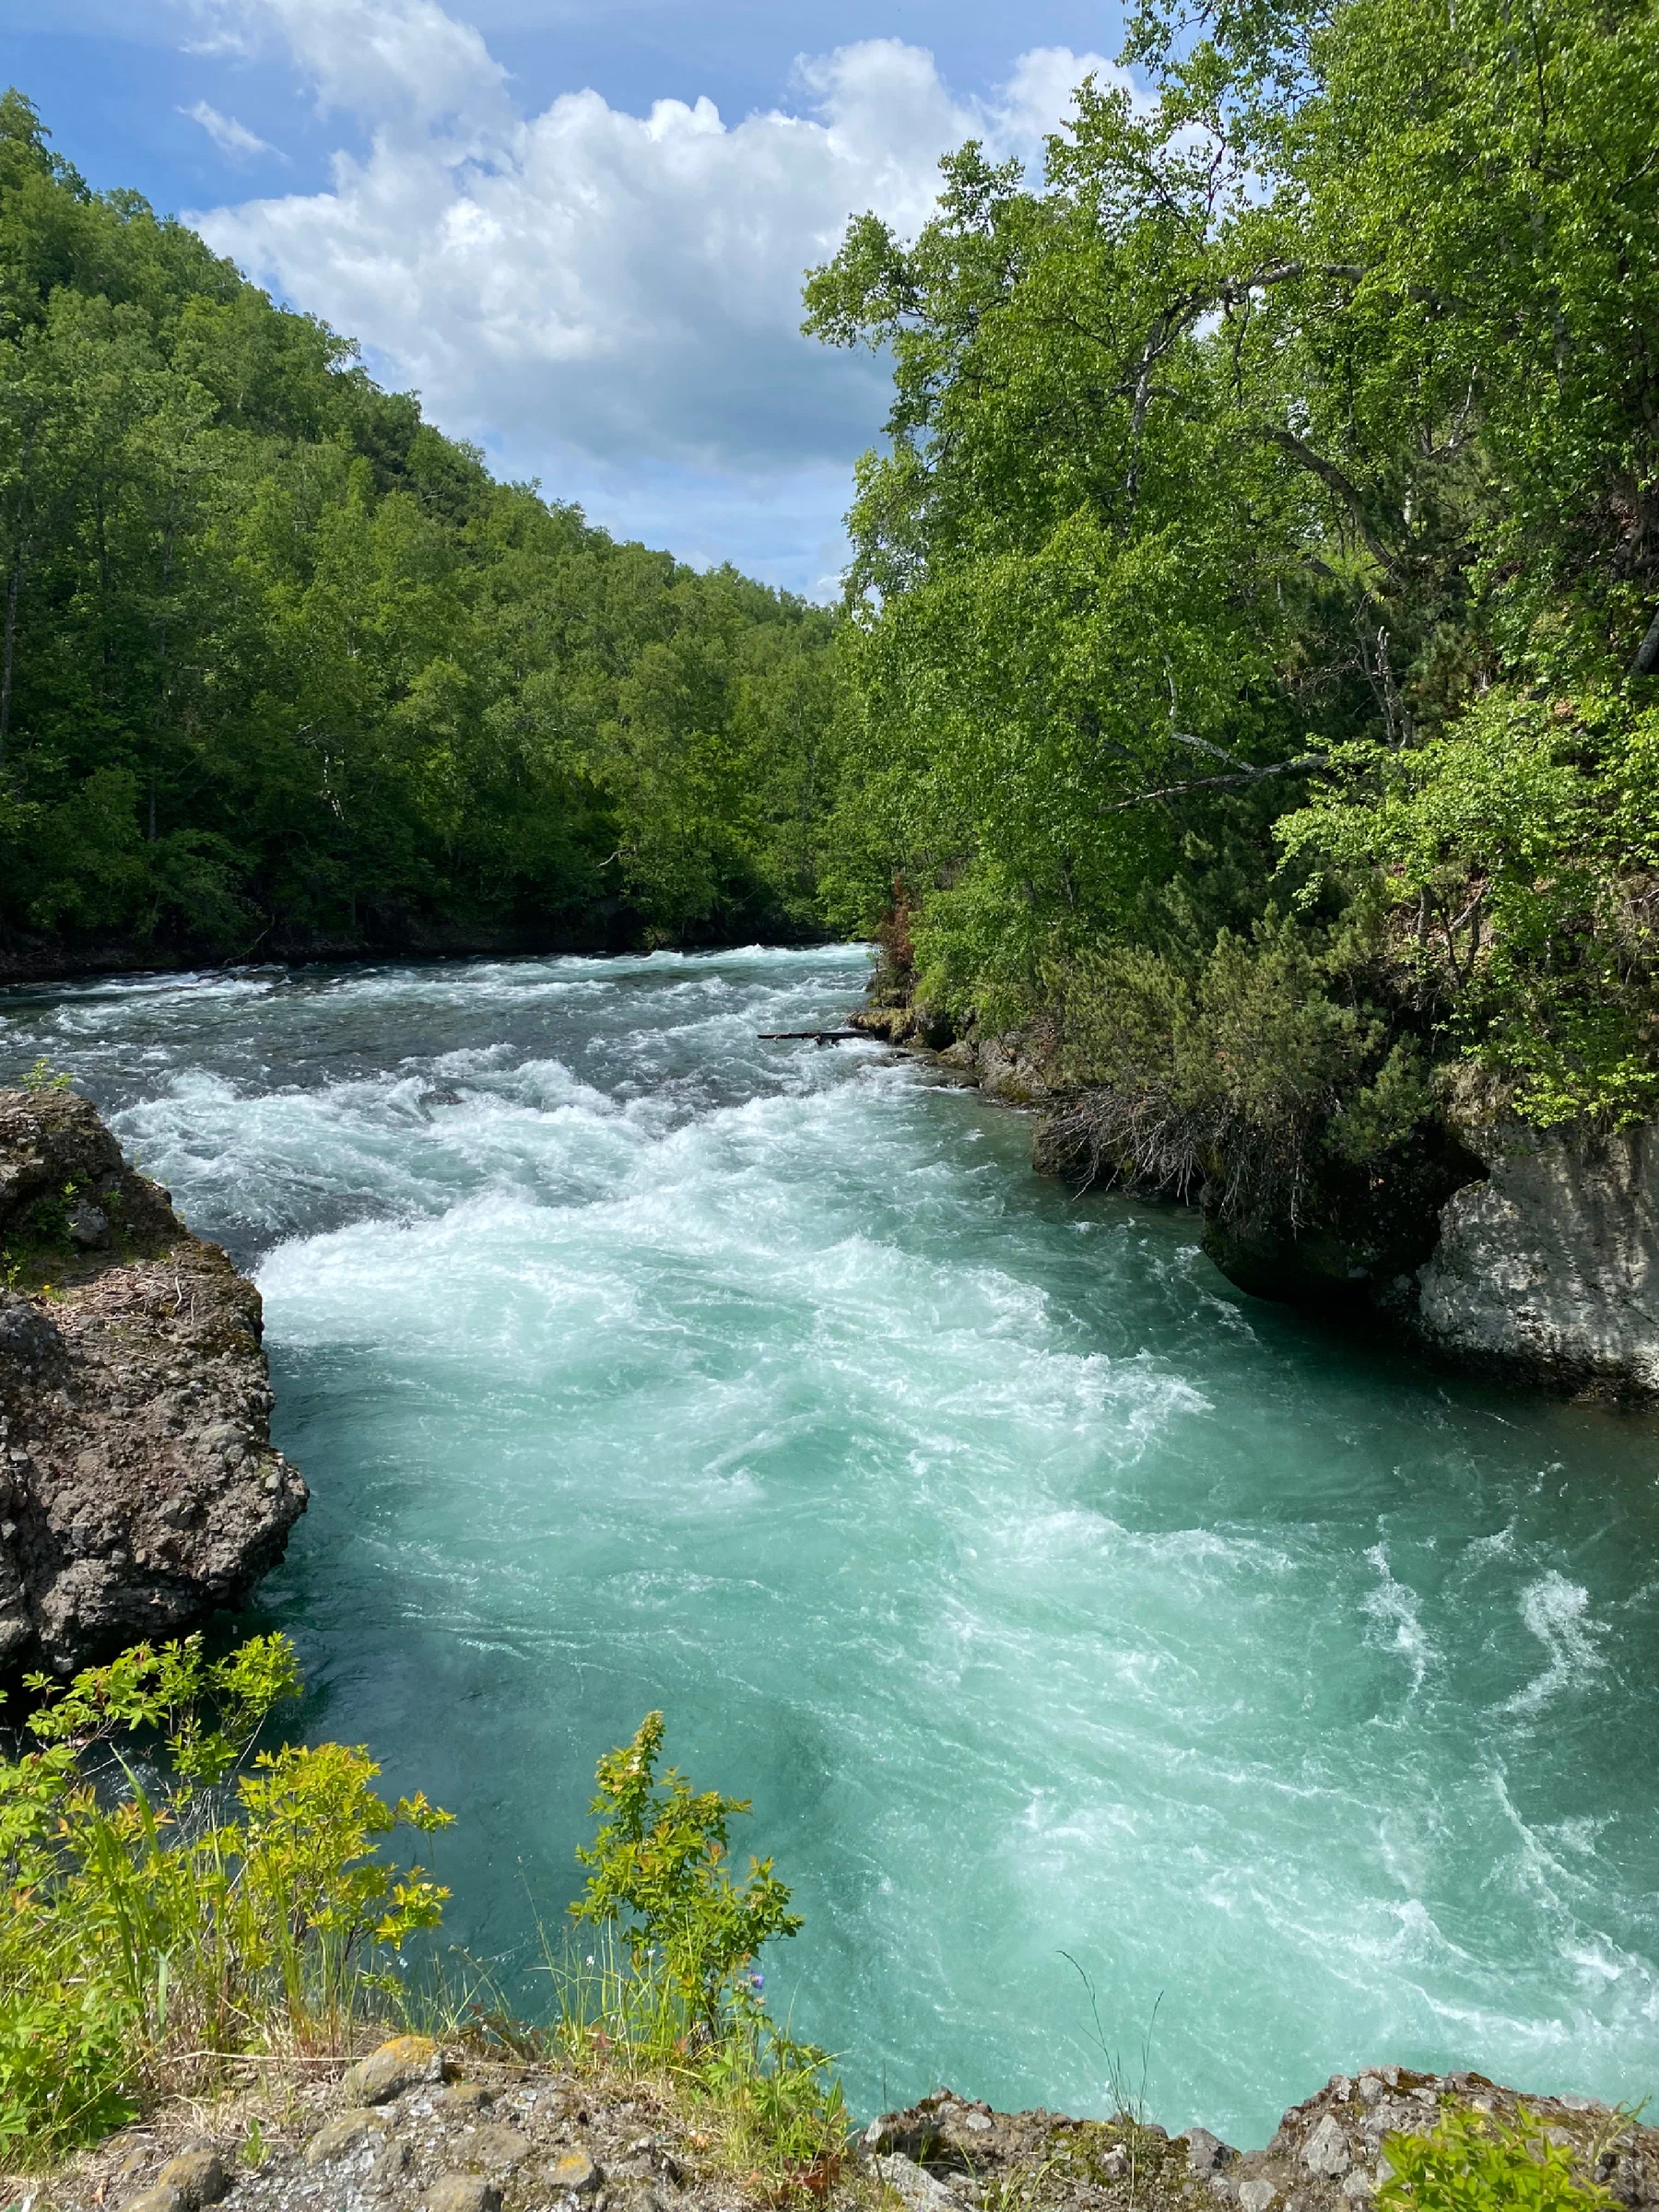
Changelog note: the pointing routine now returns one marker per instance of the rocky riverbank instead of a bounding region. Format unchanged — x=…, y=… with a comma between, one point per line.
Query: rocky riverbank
x=414, y=2128
x=138, y=1486
x=1528, y=1253
x=1548, y=1266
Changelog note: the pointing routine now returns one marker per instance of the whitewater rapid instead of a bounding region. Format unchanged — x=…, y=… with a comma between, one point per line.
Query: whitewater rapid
x=1047, y=1596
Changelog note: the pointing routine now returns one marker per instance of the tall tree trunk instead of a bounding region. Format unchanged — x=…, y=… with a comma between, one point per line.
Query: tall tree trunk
x=104, y=579
x=160, y=716
x=13, y=583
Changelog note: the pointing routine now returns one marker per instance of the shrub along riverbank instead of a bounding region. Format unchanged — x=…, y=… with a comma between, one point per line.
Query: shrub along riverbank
x=177, y=1902
x=185, y=1915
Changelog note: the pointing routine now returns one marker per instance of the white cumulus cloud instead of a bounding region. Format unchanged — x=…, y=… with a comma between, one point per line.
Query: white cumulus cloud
x=369, y=56
x=589, y=288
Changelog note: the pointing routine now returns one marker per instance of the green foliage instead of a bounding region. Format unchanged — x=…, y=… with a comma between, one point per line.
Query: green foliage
x=172, y=1897
x=1249, y=1072
x=765, y=2106
x=41, y=1076
x=780, y=2106
x=671, y=1990
x=282, y=666
x=1470, y=2162
x=208, y=1711
x=1289, y=449
x=1517, y=848
x=659, y=1872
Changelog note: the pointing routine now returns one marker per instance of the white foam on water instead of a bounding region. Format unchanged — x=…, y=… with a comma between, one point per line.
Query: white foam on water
x=1046, y=1596
x=1558, y=1613
x=1396, y=1618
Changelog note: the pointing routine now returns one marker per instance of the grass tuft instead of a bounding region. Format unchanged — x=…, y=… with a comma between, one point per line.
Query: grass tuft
x=761, y=2106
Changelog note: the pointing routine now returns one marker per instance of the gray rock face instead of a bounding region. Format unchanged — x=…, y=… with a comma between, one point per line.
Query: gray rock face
x=913, y=2185
x=554, y=2142
x=200, y=2176
x=158, y=2199
x=1206, y=2153
x=1325, y=2150
x=1549, y=1269
x=1013, y=1068
x=573, y=2173
x=345, y=2134
x=138, y=1489
x=28, y=1338
x=402, y=2063
x=461, y=2193
x=500, y=2150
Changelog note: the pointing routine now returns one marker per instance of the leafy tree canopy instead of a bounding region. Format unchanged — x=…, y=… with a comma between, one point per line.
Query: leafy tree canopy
x=1267, y=538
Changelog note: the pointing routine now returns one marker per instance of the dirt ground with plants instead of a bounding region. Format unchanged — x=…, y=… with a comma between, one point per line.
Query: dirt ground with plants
x=417, y=2127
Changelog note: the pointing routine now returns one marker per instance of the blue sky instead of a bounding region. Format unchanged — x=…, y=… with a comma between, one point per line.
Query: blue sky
x=577, y=227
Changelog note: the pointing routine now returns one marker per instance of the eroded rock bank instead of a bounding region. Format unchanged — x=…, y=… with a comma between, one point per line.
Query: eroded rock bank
x=138, y=1486
x=1549, y=1264
x=416, y=2129
x=1529, y=1253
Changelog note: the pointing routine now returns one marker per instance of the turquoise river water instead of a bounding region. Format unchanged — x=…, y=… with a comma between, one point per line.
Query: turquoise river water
x=1046, y=1594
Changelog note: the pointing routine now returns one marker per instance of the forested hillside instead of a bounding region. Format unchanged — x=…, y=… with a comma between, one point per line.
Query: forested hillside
x=284, y=667
x=1251, y=679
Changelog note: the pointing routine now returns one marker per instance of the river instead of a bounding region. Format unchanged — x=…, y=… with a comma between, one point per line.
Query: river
x=1047, y=1596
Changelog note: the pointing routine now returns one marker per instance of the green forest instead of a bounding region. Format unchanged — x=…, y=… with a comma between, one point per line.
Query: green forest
x=1246, y=684
x=1251, y=679
x=283, y=667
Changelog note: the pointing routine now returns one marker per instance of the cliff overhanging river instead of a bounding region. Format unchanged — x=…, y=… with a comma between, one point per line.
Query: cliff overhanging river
x=1044, y=1592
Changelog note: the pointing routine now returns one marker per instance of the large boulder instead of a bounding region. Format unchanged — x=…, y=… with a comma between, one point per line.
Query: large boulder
x=1548, y=1269
x=138, y=1487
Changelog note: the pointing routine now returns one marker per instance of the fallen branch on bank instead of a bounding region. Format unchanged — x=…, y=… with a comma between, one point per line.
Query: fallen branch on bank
x=802, y=1036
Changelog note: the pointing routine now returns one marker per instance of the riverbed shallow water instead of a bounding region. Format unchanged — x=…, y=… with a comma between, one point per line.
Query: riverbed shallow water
x=1047, y=1596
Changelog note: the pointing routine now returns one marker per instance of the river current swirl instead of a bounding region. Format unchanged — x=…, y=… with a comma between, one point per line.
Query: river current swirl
x=1046, y=1595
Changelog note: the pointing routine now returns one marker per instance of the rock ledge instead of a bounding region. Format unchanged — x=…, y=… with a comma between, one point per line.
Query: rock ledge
x=138, y=1487
x=470, y=2133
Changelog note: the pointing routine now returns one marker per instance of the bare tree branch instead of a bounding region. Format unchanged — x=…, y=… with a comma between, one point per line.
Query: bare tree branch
x=1203, y=745
x=1346, y=491
x=1233, y=290
x=1233, y=782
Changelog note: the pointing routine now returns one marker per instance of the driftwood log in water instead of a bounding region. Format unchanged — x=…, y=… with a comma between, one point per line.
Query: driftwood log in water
x=812, y=1035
